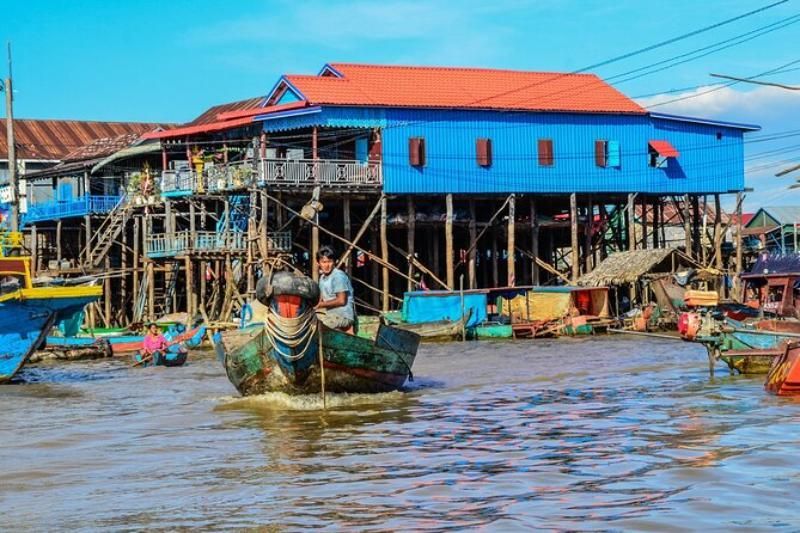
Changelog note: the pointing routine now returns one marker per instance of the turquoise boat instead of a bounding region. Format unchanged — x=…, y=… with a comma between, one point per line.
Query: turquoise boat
x=28, y=313
x=283, y=354
x=174, y=355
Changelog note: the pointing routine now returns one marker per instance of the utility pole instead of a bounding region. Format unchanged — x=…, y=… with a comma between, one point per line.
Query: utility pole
x=12, y=155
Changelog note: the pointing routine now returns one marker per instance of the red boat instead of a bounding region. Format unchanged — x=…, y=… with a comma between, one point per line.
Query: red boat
x=783, y=378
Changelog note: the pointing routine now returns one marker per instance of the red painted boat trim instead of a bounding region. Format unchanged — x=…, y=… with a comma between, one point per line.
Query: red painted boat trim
x=395, y=380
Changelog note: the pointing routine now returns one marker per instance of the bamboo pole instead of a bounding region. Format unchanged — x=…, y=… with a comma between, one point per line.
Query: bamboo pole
x=587, y=236
x=739, y=227
x=418, y=264
x=471, y=256
x=631, y=209
x=534, y=242
x=411, y=234
x=353, y=244
x=573, y=226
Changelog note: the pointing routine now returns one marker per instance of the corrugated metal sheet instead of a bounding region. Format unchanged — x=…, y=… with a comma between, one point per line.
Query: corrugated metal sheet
x=211, y=114
x=55, y=139
x=706, y=164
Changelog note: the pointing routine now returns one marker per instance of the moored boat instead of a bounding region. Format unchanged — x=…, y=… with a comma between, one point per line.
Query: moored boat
x=28, y=313
x=283, y=354
x=783, y=378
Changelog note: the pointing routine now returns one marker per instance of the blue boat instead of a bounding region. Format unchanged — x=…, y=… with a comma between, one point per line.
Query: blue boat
x=174, y=355
x=27, y=314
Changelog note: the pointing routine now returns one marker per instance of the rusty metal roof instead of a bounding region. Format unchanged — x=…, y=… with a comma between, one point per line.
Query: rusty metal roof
x=56, y=139
x=210, y=114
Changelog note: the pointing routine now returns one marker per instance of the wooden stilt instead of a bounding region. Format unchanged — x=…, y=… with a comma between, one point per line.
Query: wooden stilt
x=411, y=228
x=573, y=224
x=511, y=273
x=34, y=251
x=448, y=243
x=687, y=226
x=738, y=268
x=436, y=251
x=203, y=270
x=495, y=258
x=656, y=220
x=473, y=234
x=645, y=231
x=87, y=226
x=190, y=309
x=587, y=236
x=123, y=280
x=151, y=291
x=631, y=208
x=107, y=294
x=696, y=227
x=58, y=243
x=375, y=268
x=385, y=257
x=263, y=229
x=534, y=243
x=347, y=233
x=314, y=249
x=136, y=259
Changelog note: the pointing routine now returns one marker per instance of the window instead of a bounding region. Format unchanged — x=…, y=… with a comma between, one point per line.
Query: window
x=600, y=148
x=719, y=135
x=416, y=151
x=483, y=152
x=606, y=154
x=546, y=152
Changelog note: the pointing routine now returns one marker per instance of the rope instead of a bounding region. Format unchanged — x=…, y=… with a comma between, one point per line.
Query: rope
x=291, y=332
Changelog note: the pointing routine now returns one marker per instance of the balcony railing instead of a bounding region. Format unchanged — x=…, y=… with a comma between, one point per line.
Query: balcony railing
x=276, y=173
x=76, y=207
x=183, y=242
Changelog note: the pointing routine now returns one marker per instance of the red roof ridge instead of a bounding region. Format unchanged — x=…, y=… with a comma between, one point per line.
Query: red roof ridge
x=336, y=66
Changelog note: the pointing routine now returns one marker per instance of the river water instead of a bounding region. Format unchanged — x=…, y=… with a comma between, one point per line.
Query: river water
x=595, y=433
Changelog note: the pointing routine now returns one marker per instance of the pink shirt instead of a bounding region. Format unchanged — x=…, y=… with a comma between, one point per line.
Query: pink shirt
x=153, y=344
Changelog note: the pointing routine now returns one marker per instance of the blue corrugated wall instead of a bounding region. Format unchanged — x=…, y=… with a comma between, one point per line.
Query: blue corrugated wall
x=707, y=164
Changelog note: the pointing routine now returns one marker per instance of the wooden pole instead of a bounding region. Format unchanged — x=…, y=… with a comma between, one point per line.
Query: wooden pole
x=411, y=233
x=58, y=243
x=696, y=227
x=718, y=242
x=511, y=274
x=347, y=232
x=573, y=224
x=473, y=233
x=495, y=258
x=375, y=267
x=123, y=280
x=384, y=256
x=34, y=251
x=151, y=290
x=107, y=294
x=136, y=259
x=587, y=236
x=656, y=220
x=739, y=227
x=190, y=310
x=354, y=243
x=644, y=222
x=534, y=243
x=687, y=226
x=631, y=208
x=448, y=243
x=263, y=228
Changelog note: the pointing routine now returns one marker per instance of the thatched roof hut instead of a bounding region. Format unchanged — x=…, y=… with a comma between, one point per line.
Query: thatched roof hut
x=629, y=267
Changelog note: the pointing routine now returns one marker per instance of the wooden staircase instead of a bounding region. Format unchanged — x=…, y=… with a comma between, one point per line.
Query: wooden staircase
x=101, y=241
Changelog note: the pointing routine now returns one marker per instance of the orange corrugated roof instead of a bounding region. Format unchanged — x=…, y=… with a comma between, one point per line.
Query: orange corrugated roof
x=471, y=88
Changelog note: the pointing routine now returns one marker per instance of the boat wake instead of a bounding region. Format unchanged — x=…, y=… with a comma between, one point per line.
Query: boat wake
x=308, y=402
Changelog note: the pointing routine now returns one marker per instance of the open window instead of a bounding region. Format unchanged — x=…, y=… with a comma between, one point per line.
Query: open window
x=660, y=152
x=606, y=154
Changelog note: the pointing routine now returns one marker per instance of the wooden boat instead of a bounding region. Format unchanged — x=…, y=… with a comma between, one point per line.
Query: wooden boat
x=283, y=354
x=175, y=355
x=491, y=330
x=746, y=348
x=434, y=331
x=27, y=314
x=555, y=311
x=130, y=344
x=72, y=349
x=783, y=378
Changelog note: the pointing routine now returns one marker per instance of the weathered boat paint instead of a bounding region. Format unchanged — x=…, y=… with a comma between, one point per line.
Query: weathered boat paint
x=783, y=378
x=352, y=364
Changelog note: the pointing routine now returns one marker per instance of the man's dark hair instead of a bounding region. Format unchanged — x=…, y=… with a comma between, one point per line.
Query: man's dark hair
x=326, y=252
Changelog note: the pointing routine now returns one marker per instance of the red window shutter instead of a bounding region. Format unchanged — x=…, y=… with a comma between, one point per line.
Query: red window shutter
x=546, y=152
x=600, y=153
x=416, y=151
x=483, y=152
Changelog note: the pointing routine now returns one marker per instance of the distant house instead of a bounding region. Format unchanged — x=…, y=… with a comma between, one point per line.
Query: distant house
x=773, y=229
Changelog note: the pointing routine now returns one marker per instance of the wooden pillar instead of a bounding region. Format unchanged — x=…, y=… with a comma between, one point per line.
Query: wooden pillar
x=696, y=226
x=411, y=233
x=448, y=242
x=656, y=220
x=375, y=268
x=123, y=280
x=107, y=294
x=136, y=260
x=739, y=227
x=88, y=227
x=164, y=158
x=587, y=235
x=511, y=277
x=264, y=228
x=631, y=208
x=34, y=251
x=348, y=232
x=644, y=222
x=534, y=243
x=190, y=309
x=314, y=228
x=473, y=246
x=151, y=291
x=687, y=226
x=203, y=271
x=436, y=251
x=58, y=243
x=385, y=258
x=495, y=258
x=573, y=225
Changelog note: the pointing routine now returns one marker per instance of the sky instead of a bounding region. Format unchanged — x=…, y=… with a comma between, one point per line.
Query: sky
x=167, y=61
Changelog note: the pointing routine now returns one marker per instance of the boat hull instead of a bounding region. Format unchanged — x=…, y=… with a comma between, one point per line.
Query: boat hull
x=352, y=364
x=784, y=375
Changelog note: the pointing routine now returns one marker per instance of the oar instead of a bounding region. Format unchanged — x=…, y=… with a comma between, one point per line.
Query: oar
x=144, y=359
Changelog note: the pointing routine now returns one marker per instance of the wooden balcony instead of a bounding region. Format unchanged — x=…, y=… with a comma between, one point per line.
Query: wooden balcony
x=274, y=173
x=183, y=243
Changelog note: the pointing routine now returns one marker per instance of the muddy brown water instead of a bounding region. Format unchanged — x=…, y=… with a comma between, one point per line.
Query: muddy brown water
x=601, y=433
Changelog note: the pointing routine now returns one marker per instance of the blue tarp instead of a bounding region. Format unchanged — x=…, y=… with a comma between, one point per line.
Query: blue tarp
x=430, y=306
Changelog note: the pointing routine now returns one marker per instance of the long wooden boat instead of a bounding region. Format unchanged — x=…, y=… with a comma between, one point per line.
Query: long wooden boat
x=352, y=364
x=27, y=314
x=174, y=355
x=746, y=348
x=433, y=331
x=130, y=344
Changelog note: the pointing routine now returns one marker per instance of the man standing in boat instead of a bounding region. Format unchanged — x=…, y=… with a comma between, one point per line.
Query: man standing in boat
x=335, y=308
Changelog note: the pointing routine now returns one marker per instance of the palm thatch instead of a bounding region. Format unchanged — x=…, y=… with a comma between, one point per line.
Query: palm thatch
x=628, y=267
